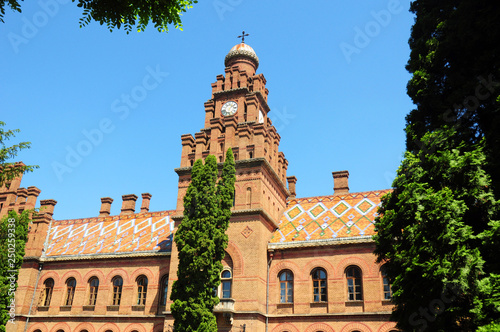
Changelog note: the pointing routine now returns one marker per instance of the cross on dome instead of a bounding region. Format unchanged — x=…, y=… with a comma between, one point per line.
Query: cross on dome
x=243, y=35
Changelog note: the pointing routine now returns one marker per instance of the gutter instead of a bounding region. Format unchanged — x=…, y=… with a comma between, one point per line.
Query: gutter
x=40, y=267
x=271, y=254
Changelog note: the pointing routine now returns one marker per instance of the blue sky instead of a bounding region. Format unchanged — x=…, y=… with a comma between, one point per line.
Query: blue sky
x=334, y=69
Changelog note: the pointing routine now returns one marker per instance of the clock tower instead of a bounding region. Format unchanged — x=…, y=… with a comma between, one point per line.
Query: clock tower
x=236, y=117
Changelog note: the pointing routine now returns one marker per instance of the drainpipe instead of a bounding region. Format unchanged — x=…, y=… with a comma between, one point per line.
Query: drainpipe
x=40, y=267
x=271, y=253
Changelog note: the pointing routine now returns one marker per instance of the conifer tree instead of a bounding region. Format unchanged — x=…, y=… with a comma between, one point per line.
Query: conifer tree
x=438, y=233
x=434, y=234
x=201, y=240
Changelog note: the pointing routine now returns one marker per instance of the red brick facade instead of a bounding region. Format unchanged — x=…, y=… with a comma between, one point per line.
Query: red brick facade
x=296, y=265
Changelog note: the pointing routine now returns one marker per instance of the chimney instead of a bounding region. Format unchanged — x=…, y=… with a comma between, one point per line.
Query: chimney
x=340, y=182
x=146, y=197
x=22, y=195
x=33, y=193
x=292, y=180
x=47, y=206
x=105, y=206
x=128, y=205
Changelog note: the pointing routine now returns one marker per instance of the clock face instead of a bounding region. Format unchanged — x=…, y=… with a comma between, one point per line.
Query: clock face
x=229, y=108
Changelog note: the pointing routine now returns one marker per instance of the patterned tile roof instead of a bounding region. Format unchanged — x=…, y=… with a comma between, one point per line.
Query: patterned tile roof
x=144, y=232
x=335, y=217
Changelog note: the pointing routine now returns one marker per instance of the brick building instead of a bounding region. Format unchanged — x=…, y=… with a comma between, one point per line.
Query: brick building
x=292, y=264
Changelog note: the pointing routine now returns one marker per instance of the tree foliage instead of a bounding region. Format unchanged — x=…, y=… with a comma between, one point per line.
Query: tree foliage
x=124, y=13
x=9, y=170
x=438, y=233
x=456, y=73
x=13, y=236
x=201, y=241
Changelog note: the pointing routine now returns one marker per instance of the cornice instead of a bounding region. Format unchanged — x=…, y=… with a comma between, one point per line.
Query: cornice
x=143, y=254
x=230, y=91
x=321, y=243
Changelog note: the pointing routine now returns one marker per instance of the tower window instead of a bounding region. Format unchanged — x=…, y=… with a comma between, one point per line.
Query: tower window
x=227, y=282
x=249, y=198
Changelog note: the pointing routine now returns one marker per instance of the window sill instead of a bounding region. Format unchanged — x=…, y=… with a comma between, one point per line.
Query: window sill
x=319, y=304
x=138, y=307
x=65, y=308
x=88, y=307
x=43, y=308
x=285, y=305
x=356, y=303
x=113, y=307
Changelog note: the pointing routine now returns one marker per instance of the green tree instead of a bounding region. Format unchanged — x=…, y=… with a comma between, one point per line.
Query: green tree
x=13, y=227
x=13, y=236
x=434, y=237
x=9, y=170
x=201, y=240
x=438, y=232
x=456, y=74
x=125, y=13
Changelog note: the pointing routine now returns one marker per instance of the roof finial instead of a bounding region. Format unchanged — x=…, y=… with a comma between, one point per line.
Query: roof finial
x=243, y=35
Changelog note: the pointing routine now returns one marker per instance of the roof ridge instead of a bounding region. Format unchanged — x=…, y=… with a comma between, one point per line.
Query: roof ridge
x=121, y=216
x=341, y=195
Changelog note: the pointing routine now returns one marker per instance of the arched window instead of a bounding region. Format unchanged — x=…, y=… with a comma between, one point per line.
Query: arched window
x=249, y=198
x=70, y=291
x=117, y=290
x=93, y=289
x=319, y=285
x=164, y=290
x=354, y=286
x=142, y=290
x=227, y=281
x=286, y=286
x=386, y=284
x=48, y=287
